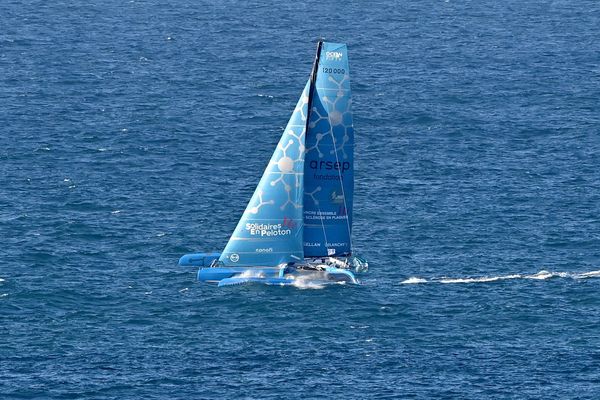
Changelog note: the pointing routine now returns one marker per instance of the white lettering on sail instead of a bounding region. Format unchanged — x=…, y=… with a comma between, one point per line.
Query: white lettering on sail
x=256, y=229
x=333, y=55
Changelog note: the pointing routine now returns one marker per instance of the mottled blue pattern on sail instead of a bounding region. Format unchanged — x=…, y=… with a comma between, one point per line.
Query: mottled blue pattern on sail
x=270, y=231
x=329, y=166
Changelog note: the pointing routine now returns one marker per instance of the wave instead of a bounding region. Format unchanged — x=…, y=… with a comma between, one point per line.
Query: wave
x=482, y=279
x=584, y=275
x=251, y=273
x=313, y=281
x=541, y=275
x=413, y=280
x=307, y=284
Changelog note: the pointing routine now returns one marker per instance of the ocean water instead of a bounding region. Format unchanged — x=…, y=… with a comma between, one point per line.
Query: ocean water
x=132, y=132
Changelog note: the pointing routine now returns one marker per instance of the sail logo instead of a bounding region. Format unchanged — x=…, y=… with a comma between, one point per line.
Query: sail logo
x=289, y=223
x=268, y=230
x=234, y=257
x=337, y=198
x=330, y=165
x=333, y=55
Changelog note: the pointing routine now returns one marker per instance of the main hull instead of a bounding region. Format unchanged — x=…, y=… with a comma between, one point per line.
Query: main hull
x=311, y=271
x=279, y=276
x=353, y=263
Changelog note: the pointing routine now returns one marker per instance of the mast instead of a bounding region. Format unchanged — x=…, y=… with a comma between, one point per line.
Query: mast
x=313, y=79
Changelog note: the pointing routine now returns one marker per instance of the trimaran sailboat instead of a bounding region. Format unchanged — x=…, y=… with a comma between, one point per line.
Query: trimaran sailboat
x=298, y=224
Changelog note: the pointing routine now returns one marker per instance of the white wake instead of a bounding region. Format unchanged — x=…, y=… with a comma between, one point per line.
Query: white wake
x=305, y=282
x=541, y=275
x=251, y=273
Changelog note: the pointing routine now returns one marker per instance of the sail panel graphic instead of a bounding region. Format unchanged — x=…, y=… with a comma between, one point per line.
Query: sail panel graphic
x=270, y=230
x=329, y=159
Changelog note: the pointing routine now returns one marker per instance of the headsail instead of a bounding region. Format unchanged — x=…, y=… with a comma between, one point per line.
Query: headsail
x=270, y=231
x=329, y=165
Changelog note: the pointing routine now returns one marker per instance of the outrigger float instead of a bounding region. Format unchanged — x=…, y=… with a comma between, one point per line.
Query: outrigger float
x=297, y=226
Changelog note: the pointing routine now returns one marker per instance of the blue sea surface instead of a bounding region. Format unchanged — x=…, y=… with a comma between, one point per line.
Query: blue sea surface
x=132, y=132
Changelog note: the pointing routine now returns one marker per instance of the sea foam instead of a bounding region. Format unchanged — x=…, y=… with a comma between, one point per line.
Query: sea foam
x=413, y=280
x=541, y=275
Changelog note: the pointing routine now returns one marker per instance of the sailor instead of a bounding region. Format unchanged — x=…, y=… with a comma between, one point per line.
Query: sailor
x=290, y=267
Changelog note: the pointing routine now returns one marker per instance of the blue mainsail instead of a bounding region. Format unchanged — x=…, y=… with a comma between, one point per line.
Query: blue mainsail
x=329, y=164
x=270, y=230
